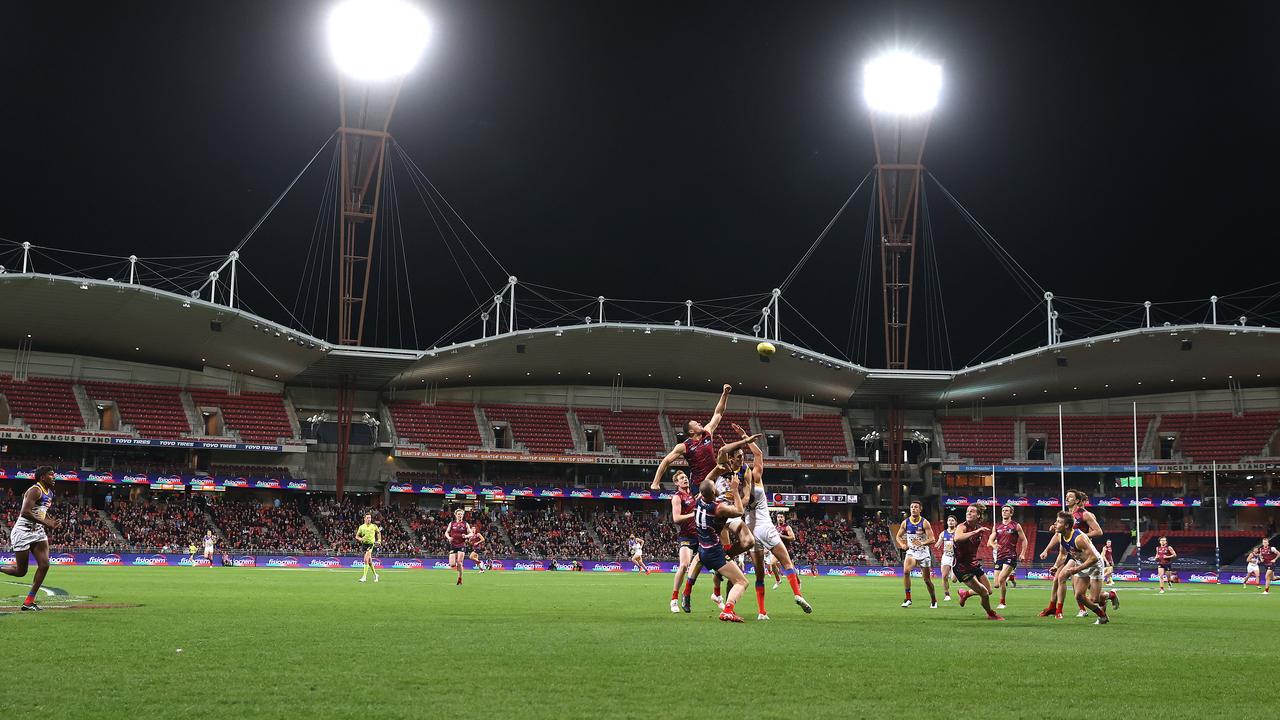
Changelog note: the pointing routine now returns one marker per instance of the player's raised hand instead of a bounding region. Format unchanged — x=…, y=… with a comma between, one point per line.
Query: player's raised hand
x=727, y=389
x=738, y=429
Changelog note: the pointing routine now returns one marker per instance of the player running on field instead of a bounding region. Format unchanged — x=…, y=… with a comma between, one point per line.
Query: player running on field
x=369, y=535
x=947, y=543
x=1267, y=555
x=914, y=536
x=209, y=541
x=477, y=550
x=28, y=536
x=1085, y=522
x=968, y=569
x=635, y=550
x=1108, y=558
x=789, y=540
x=765, y=534
x=1165, y=555
x=456, y=535
x=191, y=554
x=1253, y=569
x=710, y=517
x=1007, y=543
x=1081, y=563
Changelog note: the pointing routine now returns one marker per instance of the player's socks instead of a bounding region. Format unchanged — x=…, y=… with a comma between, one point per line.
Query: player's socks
x=716, y=587
x=793, y=579
x=1002, y=596
x=675, y=595
x=760, y=596
x=907, y=595
x=1081, y=605
x=31, y=598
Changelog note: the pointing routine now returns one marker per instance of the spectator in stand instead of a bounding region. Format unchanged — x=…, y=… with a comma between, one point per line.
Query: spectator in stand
x=252, y=526
x=656, y=531
x=546, y=533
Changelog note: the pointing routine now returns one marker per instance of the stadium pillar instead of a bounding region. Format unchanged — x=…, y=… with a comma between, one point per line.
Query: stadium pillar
x=346, y=399
x=896, y=431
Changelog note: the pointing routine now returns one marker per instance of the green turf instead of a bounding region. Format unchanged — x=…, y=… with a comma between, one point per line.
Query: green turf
x=263, y=643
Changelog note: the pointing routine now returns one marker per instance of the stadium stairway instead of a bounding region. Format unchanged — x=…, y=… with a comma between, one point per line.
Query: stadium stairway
x=591, y=531
x=217, y=529
x=311, y=525
x=403, y=522
x=496, y=528
x=862, y=540
x=108, y=524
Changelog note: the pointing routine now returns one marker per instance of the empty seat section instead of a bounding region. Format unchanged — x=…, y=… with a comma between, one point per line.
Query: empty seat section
x=817, y=438
x=987, y=442
x=541, y=428
x=1221, y=436
x=635, y=433
x=446, y=426
x=155, y=411
x=45, y=404
x=1090, y=438
x=258, y=417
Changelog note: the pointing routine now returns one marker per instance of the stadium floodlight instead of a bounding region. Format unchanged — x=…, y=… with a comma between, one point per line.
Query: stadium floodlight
x=377, y=39
x=899, y=83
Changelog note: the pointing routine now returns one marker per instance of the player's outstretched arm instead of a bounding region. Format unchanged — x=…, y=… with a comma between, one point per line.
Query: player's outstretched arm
x=1054, y=542
x=967, y=533
x=718, y=413
x=676, y=453
x=733, y=447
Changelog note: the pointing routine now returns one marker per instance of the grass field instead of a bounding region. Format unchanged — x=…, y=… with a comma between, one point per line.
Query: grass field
x=260, y=643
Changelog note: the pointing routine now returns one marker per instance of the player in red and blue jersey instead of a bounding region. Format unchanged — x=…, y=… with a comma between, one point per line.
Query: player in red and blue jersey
x=1268, y=555
x=456, y=535
x=1007, y=543
x=1165, y=555
x=683, y=504
x=698, y=449
x=968, y=570
x=710, y=517
x=28, y=536
x=1085, y=522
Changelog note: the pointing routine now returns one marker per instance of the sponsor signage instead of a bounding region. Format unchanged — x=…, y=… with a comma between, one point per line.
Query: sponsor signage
x=90, y=439
x=1019, y=501
x=1257, y=501
x=1127, y=470
x=162, y=482
x=413, y=451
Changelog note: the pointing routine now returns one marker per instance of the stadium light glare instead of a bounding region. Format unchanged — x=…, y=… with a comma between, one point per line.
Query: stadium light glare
x=899, y=83
x=375, y=40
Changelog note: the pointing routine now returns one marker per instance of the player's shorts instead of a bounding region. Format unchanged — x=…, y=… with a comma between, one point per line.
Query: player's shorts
x=1167, y=567
x=1253, y=569
x=733, y=524
x=687, y=542
x=638, y=556
x=1093, y=572
x=21, y=538
x=713, y=557
x=368, y=547
x=965, y=574
x=948, y=560
x=457, y=549
x=477, y=549
x=1011, y=562
x=767, y=537
x=922, y=556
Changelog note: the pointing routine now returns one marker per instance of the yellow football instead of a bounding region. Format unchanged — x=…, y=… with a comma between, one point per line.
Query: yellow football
x=766, y=349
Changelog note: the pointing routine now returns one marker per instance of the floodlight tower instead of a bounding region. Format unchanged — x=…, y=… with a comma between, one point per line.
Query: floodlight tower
x=901, y=91
x=375, y=43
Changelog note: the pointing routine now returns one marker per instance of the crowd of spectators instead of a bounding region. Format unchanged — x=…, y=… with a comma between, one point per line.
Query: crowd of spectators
x=428, y=527
x=337, y=522
x=250, y=525
x=550, y=534
x=272, y=471
x=168, y=526
x=652, y=527
x=827, y=541
x=884, y=550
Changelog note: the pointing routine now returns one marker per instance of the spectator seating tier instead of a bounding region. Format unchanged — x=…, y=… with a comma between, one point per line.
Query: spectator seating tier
x=635, y=433
x=155, y=411
x=47, y=405
x=258, y=417
x=447, y=426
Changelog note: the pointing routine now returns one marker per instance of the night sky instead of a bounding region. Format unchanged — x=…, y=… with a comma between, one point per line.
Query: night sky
x=668, y=150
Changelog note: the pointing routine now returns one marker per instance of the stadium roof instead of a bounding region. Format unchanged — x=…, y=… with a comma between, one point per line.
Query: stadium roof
x=142, y=324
